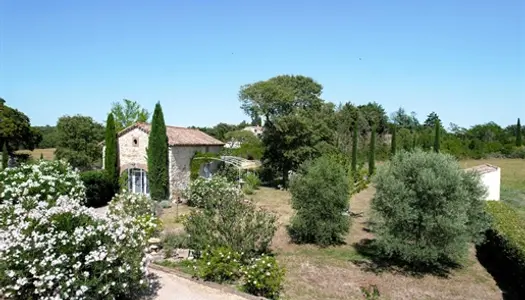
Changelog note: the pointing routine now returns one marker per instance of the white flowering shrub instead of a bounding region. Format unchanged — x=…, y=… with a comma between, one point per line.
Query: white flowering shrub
x=53, y=247
x=44, y=180
x=263, y=277
x=218, y=265
x=66, y=251
x=137, y=207
x=204, y=192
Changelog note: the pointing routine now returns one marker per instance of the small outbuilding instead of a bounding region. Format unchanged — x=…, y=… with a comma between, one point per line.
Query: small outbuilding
x=490, y=177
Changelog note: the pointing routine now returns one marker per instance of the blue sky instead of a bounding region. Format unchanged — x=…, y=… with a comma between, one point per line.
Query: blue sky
x=463, y=59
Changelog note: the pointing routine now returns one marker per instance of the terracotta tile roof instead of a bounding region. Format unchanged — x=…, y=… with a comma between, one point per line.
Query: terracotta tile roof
x=178, y=136
x=483, y=169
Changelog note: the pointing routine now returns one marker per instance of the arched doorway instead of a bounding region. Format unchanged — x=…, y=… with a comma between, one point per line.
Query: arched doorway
x=138, y=181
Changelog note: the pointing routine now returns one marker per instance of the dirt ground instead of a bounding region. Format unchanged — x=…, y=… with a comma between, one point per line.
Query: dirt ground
x=336, y=272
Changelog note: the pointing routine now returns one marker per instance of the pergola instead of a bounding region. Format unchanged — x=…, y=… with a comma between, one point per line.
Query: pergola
x=241, y=164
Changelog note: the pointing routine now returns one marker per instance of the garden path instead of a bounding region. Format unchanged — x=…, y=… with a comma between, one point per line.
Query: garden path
x=174, y=287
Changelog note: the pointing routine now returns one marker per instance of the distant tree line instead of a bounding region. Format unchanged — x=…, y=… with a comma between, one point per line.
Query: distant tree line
x=298, y=125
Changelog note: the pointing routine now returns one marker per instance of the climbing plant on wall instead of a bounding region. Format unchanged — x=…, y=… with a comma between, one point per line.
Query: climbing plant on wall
x=197, y=160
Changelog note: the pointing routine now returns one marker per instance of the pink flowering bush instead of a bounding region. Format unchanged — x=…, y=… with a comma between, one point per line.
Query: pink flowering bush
x=53, y=247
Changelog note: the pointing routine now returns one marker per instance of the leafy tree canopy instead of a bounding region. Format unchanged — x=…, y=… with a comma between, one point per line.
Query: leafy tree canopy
x=16, y=130
x=127, y=113
x=78, y=139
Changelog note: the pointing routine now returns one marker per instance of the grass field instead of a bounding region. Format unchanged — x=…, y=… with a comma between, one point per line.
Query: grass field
x=49, y=153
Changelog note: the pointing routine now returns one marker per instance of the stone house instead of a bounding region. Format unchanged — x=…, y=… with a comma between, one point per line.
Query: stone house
x=183, y=144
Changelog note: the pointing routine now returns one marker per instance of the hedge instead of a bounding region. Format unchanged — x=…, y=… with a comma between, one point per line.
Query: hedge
x=504, y=247
x=99, y=188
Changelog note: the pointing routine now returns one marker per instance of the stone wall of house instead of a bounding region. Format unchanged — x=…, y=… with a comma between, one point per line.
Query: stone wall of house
x=132, y=150
x=180, y=159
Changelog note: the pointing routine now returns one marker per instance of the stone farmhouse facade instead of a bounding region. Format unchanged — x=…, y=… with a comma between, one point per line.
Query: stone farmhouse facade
x=183, y=144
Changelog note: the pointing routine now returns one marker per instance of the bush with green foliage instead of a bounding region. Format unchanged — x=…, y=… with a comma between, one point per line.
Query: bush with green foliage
x=427, y=209
x=263, y=277
x=54, y=247
x=173, y=240
x=123, y=182
x=44, y=180
x=99, y=188
x=320, y=195
x=504, y=247
x=218, y=265
x=252, y=180
x=232, y=223
x=203, y=192
x=138, y=207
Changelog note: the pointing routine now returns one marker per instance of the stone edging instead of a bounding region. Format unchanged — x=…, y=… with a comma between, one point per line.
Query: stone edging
x=210, y=284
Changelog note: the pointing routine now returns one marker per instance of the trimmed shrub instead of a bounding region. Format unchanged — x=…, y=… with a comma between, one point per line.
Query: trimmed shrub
x=42, y=181
x=204, y=192
x=504, y=247
x=99, y=188
x=427, y=209
x=218, y=265
x=320, y=194
x=232, y=223
x=263, y=277
x=139, y=208
x=54, y=247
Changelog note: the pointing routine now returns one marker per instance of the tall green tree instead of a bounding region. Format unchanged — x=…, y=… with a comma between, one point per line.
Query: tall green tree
x=519, y=142
x=393, y=143
x=111, y=164
x=355, y=136
x=372, y=153
x=5, y=156
x=78, y=139
x=16, y=130
x=158, y=176
x=127, y=113
x=436, y=136
x=431, y=120
x=298, y=124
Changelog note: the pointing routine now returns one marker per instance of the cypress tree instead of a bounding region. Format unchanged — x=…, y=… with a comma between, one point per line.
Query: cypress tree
x=111, y=152
x=393, y=145
x=158, y=157
x=5, y=156
x=519, y=142
x=436, y=136
x=354, y=150
x=41, y=156
x=372, y=153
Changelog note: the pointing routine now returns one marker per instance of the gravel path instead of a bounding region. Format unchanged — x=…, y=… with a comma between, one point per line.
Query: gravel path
x=174, y=287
